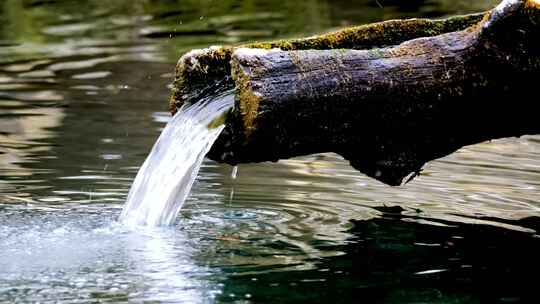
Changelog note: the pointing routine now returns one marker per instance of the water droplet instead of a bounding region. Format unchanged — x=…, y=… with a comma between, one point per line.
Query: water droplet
x=234, y=172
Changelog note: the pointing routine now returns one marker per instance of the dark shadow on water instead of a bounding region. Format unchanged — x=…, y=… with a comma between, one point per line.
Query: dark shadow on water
x=397, y=259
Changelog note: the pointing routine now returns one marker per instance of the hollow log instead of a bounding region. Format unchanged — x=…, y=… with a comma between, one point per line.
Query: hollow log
x=388, y=109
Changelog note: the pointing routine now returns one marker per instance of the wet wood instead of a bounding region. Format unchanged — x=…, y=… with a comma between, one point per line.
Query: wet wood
x=199, y=70
x=388, y=110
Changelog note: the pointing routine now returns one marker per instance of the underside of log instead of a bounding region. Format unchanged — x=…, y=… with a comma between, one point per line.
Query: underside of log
x=389, y=98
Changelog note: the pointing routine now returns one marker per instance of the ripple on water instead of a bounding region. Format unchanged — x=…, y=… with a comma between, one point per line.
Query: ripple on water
x=49, y=256
x=82, y=100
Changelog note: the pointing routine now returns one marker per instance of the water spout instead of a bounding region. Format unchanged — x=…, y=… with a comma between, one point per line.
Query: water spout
x=166, y=177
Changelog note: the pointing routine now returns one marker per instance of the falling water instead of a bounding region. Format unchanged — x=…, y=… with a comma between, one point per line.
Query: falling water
x=165, y=179
x=234, y=174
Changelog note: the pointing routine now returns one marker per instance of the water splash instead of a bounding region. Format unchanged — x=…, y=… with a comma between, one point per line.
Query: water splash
x=166, y=177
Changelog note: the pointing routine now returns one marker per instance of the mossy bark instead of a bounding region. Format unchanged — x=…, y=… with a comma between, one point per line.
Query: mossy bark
x=198, y=72
x=387, y=110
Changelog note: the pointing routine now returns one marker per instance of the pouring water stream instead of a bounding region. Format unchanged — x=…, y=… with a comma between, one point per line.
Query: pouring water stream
x=167, y=175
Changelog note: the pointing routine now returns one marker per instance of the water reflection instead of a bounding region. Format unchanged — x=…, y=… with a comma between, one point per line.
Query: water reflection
x=397, y=258
x=22, y=141
x=83, y=90
x=22, y=132
x=165, y=258
x=401, y=259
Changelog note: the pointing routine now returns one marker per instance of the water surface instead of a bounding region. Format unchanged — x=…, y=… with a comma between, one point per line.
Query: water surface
x=83, y=97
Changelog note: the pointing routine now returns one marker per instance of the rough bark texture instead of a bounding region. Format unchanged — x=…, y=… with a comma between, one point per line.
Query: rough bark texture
x=387, y=110
x=200, y=71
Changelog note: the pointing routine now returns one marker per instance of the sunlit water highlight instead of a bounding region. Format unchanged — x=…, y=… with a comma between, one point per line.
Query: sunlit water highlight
x=76, y=123
x=166, y=177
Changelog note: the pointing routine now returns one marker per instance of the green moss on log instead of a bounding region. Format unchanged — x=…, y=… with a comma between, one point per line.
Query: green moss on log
x=248, y=100
x=374, y=35
x=199, y=69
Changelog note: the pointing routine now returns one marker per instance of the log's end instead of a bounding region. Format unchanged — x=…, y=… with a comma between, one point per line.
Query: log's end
x=197, y=71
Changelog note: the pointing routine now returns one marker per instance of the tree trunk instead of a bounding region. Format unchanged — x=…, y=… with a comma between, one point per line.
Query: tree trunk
x=388, y=110
x=198, y=72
